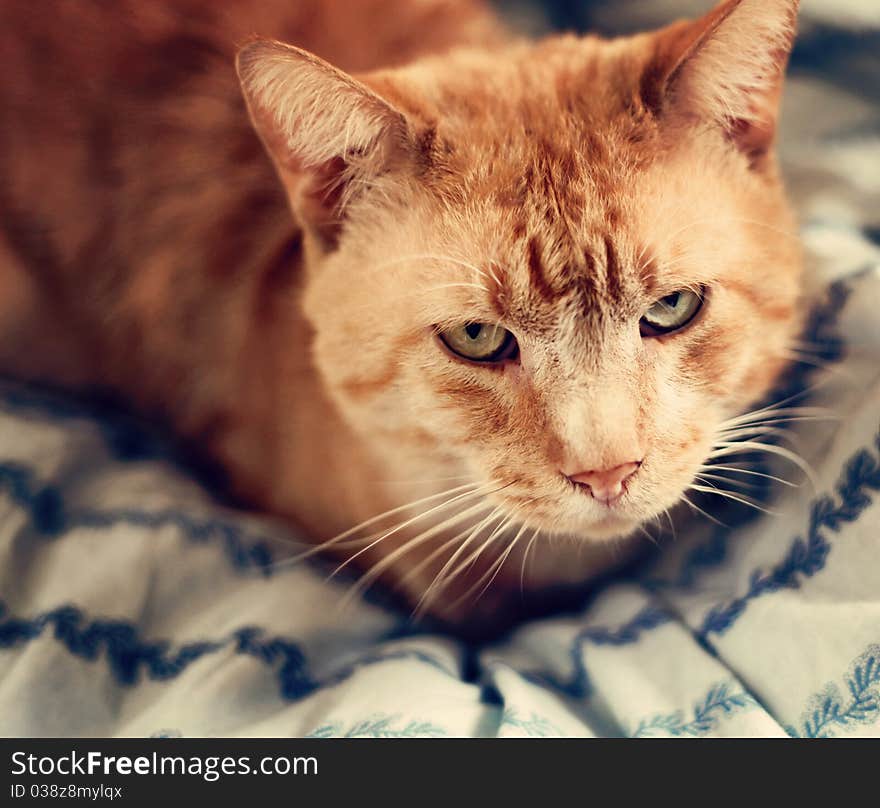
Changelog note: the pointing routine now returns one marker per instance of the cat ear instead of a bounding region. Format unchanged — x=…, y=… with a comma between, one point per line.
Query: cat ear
x=328, y=135
x=728, y=68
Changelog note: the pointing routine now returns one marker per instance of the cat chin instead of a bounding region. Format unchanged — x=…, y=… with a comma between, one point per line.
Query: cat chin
x=608, y=528
x=611, y=529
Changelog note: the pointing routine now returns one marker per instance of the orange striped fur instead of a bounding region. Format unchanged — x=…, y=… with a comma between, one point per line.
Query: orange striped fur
x=257, y=243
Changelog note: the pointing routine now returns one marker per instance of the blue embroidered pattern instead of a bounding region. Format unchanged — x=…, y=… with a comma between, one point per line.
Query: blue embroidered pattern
x=720, y=702
x=246, y=553
x=533, y=725
x=130, y=657
x=50, y=517
x=578, y=685
x=829, y=710
x=806, y=557
x=378, y=726
x=125, y=436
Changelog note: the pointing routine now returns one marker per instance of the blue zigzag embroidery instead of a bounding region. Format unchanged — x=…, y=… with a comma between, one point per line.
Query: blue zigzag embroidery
x=130, y=657
x=578, y=685
x=247, y=553
x=50, y=517
x=830, y=711
x=720, y=702
x=126, y=437
x=806, y=557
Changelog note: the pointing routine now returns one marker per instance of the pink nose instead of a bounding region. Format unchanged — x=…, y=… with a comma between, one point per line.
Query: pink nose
x=606, y=485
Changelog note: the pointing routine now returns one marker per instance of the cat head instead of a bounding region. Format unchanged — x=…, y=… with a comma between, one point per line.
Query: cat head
x=556, y=268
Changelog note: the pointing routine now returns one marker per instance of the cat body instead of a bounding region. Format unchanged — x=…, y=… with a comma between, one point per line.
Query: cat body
x=279, y=263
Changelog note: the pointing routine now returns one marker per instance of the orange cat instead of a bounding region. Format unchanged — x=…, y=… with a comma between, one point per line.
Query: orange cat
x=525, y=285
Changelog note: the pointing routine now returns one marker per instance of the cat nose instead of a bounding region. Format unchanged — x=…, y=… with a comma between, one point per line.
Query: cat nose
x=606, y=485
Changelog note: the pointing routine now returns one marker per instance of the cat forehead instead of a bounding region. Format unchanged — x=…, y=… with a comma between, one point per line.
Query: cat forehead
x=550, y=167
x=555, y=233
x=530, y=155
x=542, y=103
x=558, y=230
x=546, y=279
x=582, y=76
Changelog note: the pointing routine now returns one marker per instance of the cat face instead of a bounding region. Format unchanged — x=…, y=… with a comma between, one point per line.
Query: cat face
x=556, y=270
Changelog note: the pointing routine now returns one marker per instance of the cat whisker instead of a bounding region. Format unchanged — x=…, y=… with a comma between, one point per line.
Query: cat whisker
x=467, y=534
x=793, y=355
x=461, y=263
x=522, y=574
x=371, y=575
x=424, y=601
x=433, y=257
x=424, y=481
x=416, y=291
x=806, y=345
x=371, y=521
x=493, y=570
x=747, y=431
x=698, y=509
x=471, y=559
x=431, y=557
x=790, y=420
x=465, y=566
x=640, y=261
x=669, y=239
x=358, y=542
x=738, y=470
x=761, y=415
x=648, y=536
x=695, y=223
x=708, y=478
x=711, y=489
x=795, y=236
x=671, y=523
x=401, y=526
x=491, y=270
x=821, y=349
x=725, y=448
x=783, y=434
x=680, y=260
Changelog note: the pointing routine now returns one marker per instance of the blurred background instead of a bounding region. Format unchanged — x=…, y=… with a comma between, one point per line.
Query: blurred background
x=830, y=30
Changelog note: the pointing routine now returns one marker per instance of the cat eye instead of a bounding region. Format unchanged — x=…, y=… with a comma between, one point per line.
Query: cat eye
x=671, y=313
x=480, y=342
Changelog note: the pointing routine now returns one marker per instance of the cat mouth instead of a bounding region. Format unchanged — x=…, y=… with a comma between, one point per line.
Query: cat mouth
x=602, y=521
x=580, y=516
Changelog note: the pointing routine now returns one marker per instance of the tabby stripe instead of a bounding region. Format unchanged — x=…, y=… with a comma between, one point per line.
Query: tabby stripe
x=613, y=283
x=537, y=273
